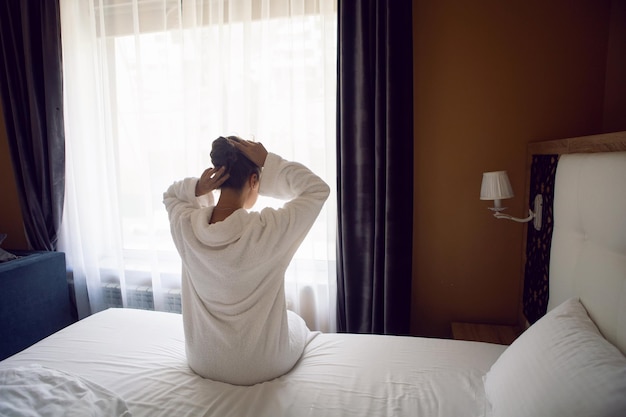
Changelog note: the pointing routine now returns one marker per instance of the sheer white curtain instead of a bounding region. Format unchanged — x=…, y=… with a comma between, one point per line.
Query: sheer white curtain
x=148, y=85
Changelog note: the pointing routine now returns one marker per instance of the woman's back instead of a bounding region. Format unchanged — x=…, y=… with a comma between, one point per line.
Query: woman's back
x=237, y=327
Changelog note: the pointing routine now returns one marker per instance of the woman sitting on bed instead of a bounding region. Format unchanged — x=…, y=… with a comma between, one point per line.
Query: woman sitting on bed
x=237, y=327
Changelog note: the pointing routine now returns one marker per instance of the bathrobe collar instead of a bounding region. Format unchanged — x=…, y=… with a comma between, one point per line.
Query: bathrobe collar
x=221, y=233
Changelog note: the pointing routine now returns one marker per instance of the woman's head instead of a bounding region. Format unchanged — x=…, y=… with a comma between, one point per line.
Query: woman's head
x=225, y=154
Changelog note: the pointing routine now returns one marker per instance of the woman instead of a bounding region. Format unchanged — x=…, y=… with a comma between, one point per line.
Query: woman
x=237, y=327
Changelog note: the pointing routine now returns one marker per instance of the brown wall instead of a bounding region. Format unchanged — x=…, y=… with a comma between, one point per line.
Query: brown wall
x=490, y=77
x=615, y=91
x=10, y=214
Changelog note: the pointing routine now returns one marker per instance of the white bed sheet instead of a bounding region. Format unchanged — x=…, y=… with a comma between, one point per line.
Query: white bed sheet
x=140, y=356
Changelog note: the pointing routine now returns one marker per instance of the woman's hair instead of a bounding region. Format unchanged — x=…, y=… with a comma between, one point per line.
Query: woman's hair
x=225, y=154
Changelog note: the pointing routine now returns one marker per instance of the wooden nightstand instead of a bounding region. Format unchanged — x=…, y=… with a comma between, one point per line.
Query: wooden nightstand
x=504, y=335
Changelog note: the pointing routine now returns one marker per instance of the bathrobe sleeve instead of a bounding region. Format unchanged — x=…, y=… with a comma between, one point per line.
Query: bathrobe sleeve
x=306, y=194
x=180, y=201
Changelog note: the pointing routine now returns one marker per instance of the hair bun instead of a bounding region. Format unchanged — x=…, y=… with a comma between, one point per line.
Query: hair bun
x=224, y=153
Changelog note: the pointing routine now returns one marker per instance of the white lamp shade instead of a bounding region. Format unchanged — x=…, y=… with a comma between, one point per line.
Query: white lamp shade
x=495, y=186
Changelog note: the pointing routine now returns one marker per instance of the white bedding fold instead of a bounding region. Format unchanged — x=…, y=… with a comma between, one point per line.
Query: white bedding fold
x=38, y=391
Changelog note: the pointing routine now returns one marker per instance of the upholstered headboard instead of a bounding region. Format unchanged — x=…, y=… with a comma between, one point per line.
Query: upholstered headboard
x=587, y=257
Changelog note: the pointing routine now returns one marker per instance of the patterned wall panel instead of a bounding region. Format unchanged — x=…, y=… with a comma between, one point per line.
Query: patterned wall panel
x=536, y=283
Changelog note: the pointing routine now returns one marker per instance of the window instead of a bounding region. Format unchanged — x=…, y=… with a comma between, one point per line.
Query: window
x=149, y=85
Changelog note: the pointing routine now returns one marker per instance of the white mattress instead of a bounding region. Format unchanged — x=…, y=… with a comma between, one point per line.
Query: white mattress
x=140, y=356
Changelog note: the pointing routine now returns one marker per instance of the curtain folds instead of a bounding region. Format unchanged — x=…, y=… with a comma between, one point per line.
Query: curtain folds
x=149, y=86
x=31, y=90
x=375, y=166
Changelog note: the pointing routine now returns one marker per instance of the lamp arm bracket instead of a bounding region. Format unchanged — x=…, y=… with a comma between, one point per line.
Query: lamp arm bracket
x=536, y=215
x=515, y=219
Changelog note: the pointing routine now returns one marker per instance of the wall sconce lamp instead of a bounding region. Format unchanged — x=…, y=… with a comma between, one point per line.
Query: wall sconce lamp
x=496, y=186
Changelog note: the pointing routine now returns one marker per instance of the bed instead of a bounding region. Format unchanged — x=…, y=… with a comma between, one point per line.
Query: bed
x=123, y=362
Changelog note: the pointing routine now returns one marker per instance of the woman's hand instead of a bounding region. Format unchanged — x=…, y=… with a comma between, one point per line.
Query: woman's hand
x=254, y=151
x=210, y=180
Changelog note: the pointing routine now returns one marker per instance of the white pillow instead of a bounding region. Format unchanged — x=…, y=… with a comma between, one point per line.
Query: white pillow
x=560, y=366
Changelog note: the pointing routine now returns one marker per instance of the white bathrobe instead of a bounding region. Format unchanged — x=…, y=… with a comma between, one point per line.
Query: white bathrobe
x=237, y=327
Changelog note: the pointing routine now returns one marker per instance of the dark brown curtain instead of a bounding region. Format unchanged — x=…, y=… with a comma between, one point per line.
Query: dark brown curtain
x=375, y=166
x=32, y=99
